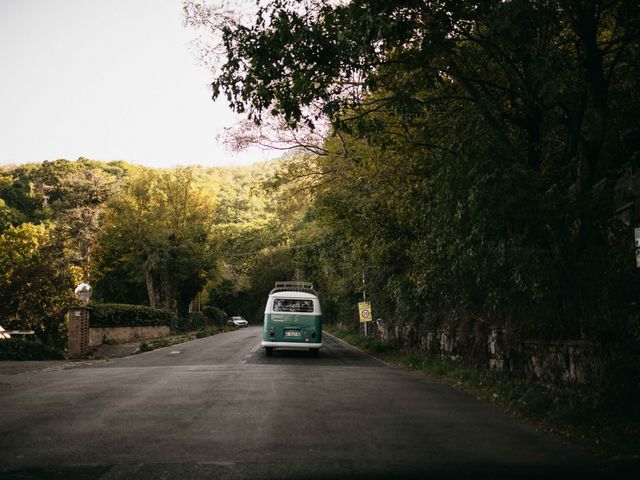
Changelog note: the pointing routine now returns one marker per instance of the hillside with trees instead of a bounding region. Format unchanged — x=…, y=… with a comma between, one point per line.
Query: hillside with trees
x=477, y=159
x=163, y=238
x=474, y=161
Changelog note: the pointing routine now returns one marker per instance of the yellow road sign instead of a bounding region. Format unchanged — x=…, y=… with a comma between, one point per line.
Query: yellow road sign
x=365, y=312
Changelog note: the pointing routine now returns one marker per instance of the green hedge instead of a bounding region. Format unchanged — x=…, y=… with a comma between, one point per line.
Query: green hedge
x=193, y=321
x=22, y=349
x=109, y=315
x=217, y=316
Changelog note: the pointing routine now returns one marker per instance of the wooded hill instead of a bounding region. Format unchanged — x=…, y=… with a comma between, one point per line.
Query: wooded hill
x=160, y=237
x=477, y=165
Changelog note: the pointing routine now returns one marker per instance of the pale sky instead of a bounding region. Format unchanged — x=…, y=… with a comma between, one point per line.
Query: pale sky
x=107, y=80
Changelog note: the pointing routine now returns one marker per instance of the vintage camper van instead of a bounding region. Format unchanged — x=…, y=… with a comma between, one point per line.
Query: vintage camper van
x=292, y=318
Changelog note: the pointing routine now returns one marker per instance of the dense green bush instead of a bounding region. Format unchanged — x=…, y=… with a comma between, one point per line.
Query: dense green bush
x=370, y=344
x=193, y=321
x=159, y=343
x=208, y=331
x=215, y=315
x=21, y=349
x=197, y=320
x=451, y=202
x=110, y=315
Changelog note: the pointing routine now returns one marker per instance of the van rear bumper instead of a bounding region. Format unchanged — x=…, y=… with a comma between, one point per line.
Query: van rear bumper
x=292, y=345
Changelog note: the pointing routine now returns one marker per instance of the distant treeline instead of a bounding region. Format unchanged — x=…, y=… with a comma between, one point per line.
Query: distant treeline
x=140, y=236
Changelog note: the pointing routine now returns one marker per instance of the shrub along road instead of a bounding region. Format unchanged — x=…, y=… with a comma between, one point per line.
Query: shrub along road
x=218, y=408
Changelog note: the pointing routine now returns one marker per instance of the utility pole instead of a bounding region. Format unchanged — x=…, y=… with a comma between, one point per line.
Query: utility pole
x=364, y=299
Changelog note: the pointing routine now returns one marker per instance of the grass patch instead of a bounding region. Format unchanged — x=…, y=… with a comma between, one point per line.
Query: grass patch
x=152, y=345
x=581, y=415
x=177, y=339
x=208, y=331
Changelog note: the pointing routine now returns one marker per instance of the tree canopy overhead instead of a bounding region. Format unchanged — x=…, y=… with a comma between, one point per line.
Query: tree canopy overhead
x=544, y=76
x=478, y=155
x=513, y=56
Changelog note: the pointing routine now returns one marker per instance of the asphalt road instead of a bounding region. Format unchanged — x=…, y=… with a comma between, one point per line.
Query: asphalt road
x=218, y=408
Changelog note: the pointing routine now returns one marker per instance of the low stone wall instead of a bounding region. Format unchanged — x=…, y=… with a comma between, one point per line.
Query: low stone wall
x=561, y=362
x=125, y=334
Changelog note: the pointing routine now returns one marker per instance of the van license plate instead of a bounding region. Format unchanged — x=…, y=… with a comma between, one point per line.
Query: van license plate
x=291, y=333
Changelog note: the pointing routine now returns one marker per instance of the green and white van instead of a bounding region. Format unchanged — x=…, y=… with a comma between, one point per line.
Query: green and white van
x=292, y=318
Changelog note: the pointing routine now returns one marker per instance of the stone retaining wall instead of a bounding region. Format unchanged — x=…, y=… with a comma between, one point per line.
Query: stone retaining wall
x=562, y=362
x=125, y=334
x=559, y=362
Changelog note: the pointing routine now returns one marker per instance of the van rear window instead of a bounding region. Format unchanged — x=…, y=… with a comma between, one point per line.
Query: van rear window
x=295, y=305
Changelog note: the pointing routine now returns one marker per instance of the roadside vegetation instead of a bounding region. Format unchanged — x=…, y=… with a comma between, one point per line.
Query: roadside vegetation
x=580, y=415
x=171, y=340
x=22, y=349
x=475, y=162
x=152, y=243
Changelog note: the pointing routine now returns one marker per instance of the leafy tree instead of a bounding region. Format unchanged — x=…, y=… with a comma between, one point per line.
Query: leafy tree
x=9, y=216
x=160, y=228
x=474, y=154
x=78, y=212
x=543, y=108
x=18, y=191
x=33, y=293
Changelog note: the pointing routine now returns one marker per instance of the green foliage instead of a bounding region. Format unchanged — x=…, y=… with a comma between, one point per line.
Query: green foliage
x=34, y=294
x=214, y=315
x=119, y=315
x=49, y=215
x=193, y=321
x=23, y=349
x=208, y=331
x=132, y=231
x=148, y=347
x=78, y=211
x=475, y=161
x=159, y=230
x=19, y=193
x=369, y=344
x=256, y=253
x=21, y=246
x=9, y=216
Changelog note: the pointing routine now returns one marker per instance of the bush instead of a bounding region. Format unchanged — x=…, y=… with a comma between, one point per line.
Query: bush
x=159, y=343
x=215, y=315
x=207, y=332
x=193, y=321
x=22, y=349
x=109, y=315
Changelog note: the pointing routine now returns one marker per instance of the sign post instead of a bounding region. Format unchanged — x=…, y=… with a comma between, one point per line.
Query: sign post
x=365, y=314
x=364, y=308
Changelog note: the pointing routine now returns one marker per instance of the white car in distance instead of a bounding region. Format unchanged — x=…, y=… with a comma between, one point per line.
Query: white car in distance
x=238, y=321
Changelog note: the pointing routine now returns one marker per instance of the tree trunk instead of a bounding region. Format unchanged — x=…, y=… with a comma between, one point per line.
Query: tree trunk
x=151, y=292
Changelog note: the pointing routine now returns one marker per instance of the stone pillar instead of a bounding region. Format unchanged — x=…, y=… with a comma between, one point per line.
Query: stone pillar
x=78, y=330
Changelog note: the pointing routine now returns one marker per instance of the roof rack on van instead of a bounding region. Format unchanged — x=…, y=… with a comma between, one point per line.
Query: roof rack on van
x=294, y=287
